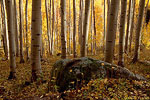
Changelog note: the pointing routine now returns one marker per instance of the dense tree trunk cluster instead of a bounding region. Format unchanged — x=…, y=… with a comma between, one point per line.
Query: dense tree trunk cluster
x=124, y=47
x=68, y=31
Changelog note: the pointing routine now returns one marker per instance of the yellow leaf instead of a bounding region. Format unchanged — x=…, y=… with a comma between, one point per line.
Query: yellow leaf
x=102, y=64
x=105, y=80
x=110, y=89
x=70, y=70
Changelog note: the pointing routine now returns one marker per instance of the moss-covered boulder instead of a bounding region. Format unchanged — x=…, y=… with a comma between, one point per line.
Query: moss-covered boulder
x=74, y=73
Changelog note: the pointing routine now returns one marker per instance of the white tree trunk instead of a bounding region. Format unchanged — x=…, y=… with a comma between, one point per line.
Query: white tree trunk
x=108, y=8
x=48, y=30
x=91, y=27
x=111, y=31
x=21, y=30
x=104, y=34
x=69, y=27
x=74, y=28
x=122, y=32
x=16, y=29
x=57, y=29
x=138, y=30
x=27, y=40
x=4, y=30
x=9, y=5
x=94, y=17
x=132, y=26
x=36, y=40
x=85, y=28
x=63, y=28
x=50, y=25
x=81, y=24
x=128, y=26
x=53, y=27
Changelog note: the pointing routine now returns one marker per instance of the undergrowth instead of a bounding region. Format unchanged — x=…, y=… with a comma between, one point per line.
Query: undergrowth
x=96, y=89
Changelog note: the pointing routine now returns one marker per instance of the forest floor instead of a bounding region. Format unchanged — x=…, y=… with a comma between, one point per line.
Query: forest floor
x=95, y=89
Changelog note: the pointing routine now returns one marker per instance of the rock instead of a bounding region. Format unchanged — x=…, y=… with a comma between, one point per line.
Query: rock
x=74, y=73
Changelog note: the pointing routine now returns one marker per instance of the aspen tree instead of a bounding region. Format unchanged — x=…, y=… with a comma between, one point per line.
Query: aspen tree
x=132, y=25
x=36, y=40
x=74, y=28
x=138, y=31
x=95, y=32
x=50, y=25
x=80, y=32
x=21, y=30
x=111, y=31
x=69, y=27
x=122, y=32
x=53, y=27
x=11, y=34
x=91, y=27
x=85, y=27
x=104, y=26
x=47, y=21
x=16, y=29
x=57, y=30
x=4, y=30
x=27, y=43
x=63, y=28
x=128, y=26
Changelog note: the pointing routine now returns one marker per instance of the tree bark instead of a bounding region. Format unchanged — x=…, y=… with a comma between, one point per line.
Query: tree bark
x=21, y=31
x=132, y=26
x=111, y=31
x=108, y=8
x=81, y=24
x=104, y=27
x=4, y=30
x=1, y=33
x=92, y=27
x=36, y=40
x=53, y=27
x=69, y=27
x=48, y=30
x=27, y=43
x=57, y=30
x=95, y=33
x=16, y=29
x=63, y=28
x=50, y=25
x=138, y=31
x=41, y=42
x=85, y=27
x=11, y=34
x=128, y=26
x=122, y=32
x=74, y=28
